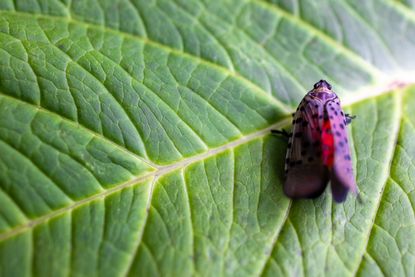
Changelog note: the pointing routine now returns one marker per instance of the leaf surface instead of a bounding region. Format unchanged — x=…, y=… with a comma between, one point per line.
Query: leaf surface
x=134, y=137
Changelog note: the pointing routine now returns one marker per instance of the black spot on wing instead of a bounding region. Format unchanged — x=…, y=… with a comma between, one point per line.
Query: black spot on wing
x=342, y=178
x=305, y=140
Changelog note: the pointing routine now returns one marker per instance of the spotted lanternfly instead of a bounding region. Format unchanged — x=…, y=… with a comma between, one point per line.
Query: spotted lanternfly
x=318, y=148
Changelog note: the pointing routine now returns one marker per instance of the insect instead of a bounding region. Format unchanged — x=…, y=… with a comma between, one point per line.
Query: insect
x=318, y=148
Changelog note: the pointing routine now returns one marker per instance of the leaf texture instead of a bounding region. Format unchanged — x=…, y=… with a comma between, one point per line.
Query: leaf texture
x=134, y=137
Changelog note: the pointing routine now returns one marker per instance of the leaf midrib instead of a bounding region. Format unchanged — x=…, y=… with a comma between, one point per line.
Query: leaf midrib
x=159, y=170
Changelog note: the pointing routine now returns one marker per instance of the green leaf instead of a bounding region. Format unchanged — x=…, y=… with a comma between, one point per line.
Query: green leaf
x=134, y=137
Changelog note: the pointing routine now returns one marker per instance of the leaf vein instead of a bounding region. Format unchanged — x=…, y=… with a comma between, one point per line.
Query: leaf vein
x=166, y=48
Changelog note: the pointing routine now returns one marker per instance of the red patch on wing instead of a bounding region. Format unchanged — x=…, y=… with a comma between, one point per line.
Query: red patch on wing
x=327, y=144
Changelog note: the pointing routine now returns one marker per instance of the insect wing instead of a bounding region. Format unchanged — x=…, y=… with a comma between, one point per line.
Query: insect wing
x=341, y=176
x=306, y=175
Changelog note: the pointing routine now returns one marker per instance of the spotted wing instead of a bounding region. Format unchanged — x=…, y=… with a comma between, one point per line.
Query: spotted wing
x=341, y=175
x=306, y=175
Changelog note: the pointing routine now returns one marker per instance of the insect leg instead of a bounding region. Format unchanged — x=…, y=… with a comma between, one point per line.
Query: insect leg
x=349, y=118
x=282, y=132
